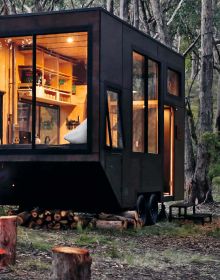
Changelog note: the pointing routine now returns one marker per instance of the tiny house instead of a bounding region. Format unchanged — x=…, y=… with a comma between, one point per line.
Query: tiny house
x=92, y=114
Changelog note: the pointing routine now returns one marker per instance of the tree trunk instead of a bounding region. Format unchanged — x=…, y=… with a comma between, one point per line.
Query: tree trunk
x=193, y=66
x=160, y=22
x=71, y=264
x=110, y=6
x=8, y=239
x=145, y=17
x=201, y=183
x=217, y=119
x=189, y=159
x=136, y=13
x=124, y=10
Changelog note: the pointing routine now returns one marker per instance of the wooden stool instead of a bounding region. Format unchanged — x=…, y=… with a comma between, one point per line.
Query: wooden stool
x=71, y=264
x=8, y=240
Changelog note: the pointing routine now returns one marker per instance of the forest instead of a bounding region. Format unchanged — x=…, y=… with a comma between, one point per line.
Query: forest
x=168, y=250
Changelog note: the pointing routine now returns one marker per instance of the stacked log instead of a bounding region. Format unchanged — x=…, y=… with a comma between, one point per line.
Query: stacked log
x=68, y=219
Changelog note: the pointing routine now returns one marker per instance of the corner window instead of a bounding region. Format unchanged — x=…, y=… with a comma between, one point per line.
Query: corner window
x=152, y=107
x=45, y=85
x=138, y=102
x=173, y=83
x=113, y=121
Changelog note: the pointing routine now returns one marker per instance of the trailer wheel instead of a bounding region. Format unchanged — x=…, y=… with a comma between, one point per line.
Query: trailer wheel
x=152, y=209
x=142, y=209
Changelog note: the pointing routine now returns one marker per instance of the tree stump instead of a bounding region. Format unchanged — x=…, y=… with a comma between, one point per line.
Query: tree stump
x=8, y=240
x=3, y=255
x=71, y=264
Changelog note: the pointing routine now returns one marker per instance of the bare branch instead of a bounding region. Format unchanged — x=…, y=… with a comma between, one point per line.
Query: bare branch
x=175, y=12
x=72, y=4
x=89, y=3
x=191, y=46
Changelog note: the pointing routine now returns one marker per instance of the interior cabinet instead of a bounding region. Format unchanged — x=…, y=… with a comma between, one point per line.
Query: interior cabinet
x=54, y=79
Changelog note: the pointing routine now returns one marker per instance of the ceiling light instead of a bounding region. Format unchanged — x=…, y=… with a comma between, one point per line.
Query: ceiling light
x=69, y=39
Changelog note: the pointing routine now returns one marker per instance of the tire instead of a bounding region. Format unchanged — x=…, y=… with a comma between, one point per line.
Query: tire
x=152, y=210
x=142, y=208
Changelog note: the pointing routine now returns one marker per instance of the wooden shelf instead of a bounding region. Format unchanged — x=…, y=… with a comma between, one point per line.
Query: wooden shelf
x=42, y=97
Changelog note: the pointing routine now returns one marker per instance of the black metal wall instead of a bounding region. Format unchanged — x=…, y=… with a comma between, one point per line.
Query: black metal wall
x=140, y=173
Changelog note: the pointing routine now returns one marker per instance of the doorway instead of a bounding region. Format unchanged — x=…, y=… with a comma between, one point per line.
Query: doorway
x=168, y=150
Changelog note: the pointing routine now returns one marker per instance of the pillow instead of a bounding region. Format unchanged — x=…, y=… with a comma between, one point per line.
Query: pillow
x=78, y=135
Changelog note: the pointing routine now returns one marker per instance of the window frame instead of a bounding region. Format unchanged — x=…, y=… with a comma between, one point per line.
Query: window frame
x=58, y=149
x=147, y=58
x=107, y=117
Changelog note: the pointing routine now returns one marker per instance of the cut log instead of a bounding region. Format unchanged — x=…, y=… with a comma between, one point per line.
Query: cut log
x=35, y=212
x=111, y=224
x=47, y=212
x=48, y=218
x=41, y=216
x=56, y=226
x=23, y=218
x=73, y=225
x=71, y=264
x=70, y=216
x=130, y=214
x=110, y=217
x=64, y=214
x=8, y=239
x=132, y=223
x=57, y=216
x=39, y=221
x=12, y=212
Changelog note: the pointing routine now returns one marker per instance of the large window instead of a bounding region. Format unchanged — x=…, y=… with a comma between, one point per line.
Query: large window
x=56, y=110
x=113, y=121
x=138, y=102
x=145, y=104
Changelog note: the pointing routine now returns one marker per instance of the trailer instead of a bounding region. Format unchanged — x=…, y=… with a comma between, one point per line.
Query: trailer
x=92, y=114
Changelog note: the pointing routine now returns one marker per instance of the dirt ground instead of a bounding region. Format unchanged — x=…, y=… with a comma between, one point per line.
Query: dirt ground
x=163, y=251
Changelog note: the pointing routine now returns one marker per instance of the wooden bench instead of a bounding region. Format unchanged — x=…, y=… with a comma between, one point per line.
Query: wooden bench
x=182, y=213
x=182, y=210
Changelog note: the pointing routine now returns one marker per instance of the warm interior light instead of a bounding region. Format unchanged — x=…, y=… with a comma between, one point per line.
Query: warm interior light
x=69, y=39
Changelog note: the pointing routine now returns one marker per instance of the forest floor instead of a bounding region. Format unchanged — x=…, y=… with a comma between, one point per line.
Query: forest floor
x=171, y=251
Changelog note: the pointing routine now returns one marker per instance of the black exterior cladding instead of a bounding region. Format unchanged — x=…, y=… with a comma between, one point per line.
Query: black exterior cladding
x=112, y=179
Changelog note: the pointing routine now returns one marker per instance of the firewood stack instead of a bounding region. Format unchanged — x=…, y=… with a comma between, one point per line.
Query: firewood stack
x=68, y=219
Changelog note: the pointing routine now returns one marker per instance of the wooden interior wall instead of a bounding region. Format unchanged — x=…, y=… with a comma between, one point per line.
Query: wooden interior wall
x=4, y=85
x=80, y=98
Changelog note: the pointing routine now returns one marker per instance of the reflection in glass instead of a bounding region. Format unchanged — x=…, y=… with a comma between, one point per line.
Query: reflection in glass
x=114, y=119
x=152, y=107
x=47, y=129
x=138, y=102
x=173, y=82
x=107, y=134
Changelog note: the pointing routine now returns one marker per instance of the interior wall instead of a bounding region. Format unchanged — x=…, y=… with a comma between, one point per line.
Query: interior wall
x=4, y=86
